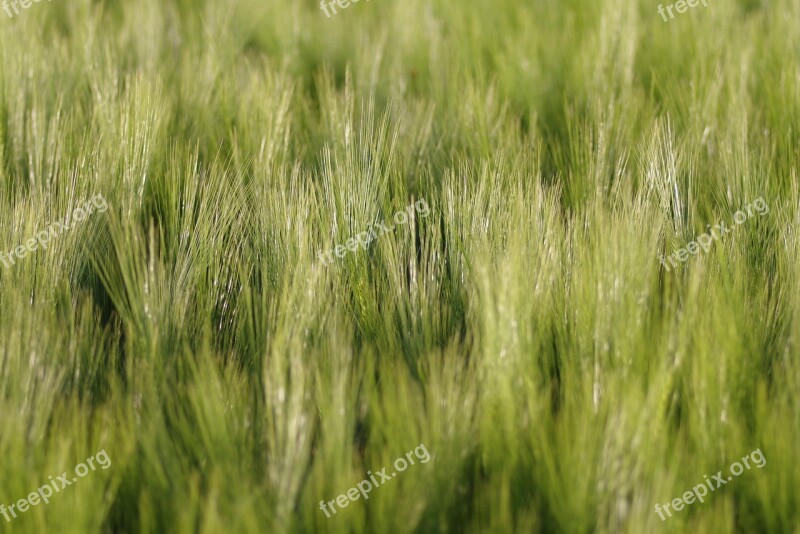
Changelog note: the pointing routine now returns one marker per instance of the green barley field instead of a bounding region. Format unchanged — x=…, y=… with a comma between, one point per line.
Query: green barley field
x=412, y=266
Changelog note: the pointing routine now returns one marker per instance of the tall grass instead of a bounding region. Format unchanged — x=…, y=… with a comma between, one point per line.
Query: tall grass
x=525, y=331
